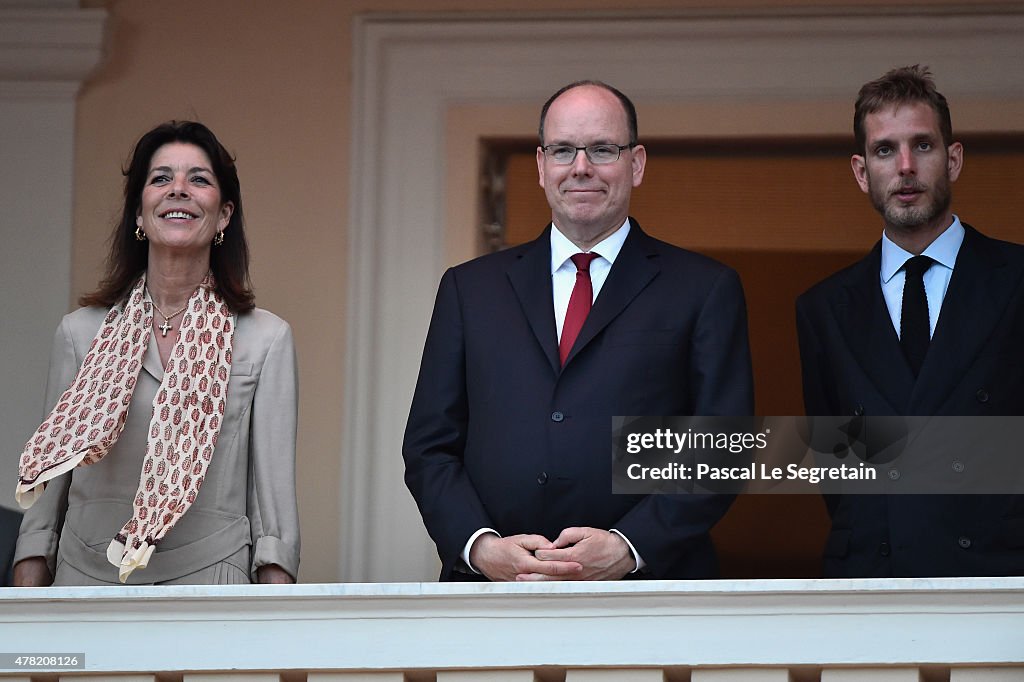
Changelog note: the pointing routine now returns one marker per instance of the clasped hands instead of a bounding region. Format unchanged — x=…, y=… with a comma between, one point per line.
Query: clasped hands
x=576, y=554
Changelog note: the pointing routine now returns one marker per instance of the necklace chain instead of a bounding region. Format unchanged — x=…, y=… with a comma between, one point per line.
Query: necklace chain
x=166, y=326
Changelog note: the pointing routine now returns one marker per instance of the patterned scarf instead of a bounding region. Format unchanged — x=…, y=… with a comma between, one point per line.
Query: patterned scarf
x=187, y=413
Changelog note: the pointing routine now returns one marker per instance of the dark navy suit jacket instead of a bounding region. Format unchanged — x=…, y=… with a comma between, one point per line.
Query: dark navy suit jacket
x=501, y=436
x=853, y=365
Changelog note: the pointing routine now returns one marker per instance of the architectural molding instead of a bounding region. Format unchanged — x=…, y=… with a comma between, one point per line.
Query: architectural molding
x=740, y=73
x=57, y=44
x=45, y=54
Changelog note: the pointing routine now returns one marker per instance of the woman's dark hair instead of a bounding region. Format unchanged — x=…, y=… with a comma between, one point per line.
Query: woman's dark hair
x=128, y=256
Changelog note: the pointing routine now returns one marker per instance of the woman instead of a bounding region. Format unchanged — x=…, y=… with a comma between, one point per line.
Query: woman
x=171, y=442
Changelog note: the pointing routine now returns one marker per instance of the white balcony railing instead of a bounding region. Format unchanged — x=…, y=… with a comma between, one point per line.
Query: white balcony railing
x=961, y=630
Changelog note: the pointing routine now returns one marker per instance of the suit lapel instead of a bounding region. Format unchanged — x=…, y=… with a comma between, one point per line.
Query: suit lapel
x=864, y=320
x=530, y=276
x=975, y=300
x=634, y=268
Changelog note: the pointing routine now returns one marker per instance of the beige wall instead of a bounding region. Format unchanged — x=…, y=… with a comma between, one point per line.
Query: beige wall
x=273, y=80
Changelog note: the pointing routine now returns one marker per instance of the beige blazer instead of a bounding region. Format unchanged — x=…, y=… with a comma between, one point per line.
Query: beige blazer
x=245, y=513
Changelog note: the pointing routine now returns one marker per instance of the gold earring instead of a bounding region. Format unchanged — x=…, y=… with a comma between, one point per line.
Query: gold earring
x=139, y=234
x=218, y=239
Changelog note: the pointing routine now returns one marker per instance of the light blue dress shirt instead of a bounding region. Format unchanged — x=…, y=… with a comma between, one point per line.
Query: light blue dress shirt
x=936, y=280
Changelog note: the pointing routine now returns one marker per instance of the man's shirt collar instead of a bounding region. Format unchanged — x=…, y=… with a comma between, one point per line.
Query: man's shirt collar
x=943, y=250
x=562, y=249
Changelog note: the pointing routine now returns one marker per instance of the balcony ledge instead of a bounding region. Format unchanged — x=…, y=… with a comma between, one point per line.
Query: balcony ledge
x=430, y=626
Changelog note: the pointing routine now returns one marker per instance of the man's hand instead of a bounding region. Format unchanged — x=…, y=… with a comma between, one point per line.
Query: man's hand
x=32, y=572
x=504, y=559
x=273, y=574
x=602, y=554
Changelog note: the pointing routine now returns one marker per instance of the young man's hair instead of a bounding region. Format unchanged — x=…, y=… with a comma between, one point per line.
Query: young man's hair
x=905, y=85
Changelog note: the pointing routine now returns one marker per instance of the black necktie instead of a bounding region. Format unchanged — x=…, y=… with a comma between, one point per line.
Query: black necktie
x=915, y=331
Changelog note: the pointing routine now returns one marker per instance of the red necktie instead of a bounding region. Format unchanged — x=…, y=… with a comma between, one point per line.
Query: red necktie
x=579, y=304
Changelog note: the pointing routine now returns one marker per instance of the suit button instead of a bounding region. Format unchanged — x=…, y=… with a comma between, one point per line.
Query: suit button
x=883, y=549
x=982, y=395
x=958, y=466
x=964, y=541
x=557, y=417
x=894, y=474
x=543, y=478
x=858, y=411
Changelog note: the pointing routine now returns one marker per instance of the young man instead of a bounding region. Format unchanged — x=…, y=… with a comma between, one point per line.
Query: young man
x=930, y=322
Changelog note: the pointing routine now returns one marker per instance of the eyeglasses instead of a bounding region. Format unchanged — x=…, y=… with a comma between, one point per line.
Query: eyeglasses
x=597, y=154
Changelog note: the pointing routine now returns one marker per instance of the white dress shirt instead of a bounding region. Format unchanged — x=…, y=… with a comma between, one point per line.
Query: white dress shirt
x=563, y=270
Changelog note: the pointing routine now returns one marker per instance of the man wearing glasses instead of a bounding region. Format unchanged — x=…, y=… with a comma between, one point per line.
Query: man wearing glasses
x=532, y=350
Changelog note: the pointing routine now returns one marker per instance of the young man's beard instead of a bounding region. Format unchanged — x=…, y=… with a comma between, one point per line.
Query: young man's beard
x=909, y=217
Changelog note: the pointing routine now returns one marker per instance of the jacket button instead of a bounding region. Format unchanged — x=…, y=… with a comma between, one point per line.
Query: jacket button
x=858, y=411
x=958, y=466
x=964, y=541
x=543, y=478
x=557, y=417
x=894, y=474
x=883, y=549
x=982, y=395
